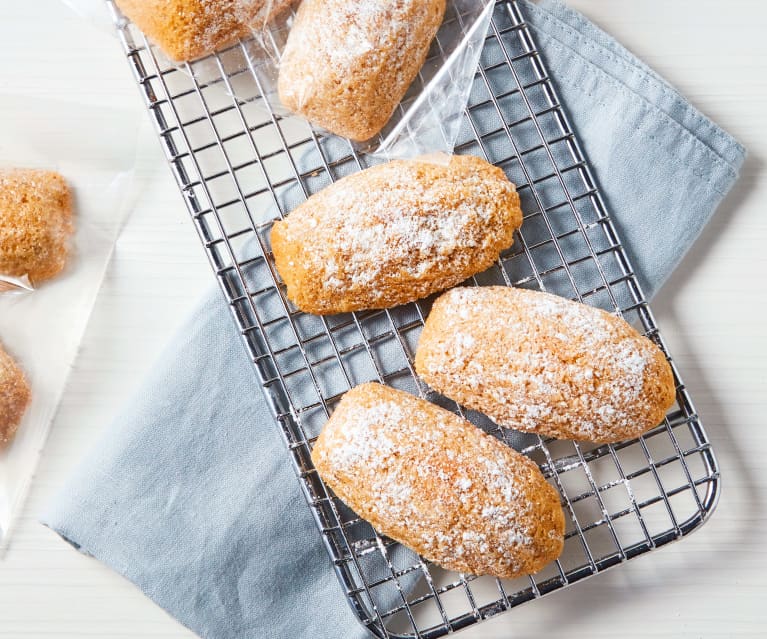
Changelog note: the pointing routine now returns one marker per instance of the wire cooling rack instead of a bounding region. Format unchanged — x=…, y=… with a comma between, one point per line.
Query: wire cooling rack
x=239, y=166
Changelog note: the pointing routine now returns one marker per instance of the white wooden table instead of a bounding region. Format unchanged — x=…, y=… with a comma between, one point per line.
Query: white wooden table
x=712, y=312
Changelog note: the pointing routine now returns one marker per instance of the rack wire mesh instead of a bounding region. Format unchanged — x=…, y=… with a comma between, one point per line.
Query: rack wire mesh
x=240, y=166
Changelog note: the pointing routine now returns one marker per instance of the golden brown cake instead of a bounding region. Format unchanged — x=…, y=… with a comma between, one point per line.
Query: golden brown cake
x=395, y=233
x=540, y=363
x=14, y=397
x=189, y=29
x=347, y=65
x=35, y=223
x=434, y=482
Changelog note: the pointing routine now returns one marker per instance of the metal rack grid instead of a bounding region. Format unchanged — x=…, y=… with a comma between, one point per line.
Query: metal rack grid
x=239, y=166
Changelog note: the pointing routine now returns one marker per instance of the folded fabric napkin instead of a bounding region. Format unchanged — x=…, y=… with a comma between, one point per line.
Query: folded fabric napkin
x=190, y=494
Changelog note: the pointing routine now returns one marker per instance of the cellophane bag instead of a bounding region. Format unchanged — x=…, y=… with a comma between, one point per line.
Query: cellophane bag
x=41, y=327
x=425, y=121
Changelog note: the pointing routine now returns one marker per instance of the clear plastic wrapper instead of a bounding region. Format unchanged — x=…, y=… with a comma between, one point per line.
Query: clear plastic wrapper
x=427, y=118
x=41, y=327
x=14, y=284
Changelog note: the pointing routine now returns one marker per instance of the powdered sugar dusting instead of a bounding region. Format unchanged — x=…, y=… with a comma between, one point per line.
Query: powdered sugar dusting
x=473, y=504
x=373, y=34
x=369, y=28
x=538, y=362
x=387, y=228
x=463, y=483
x=403, y=225
x=368, y=444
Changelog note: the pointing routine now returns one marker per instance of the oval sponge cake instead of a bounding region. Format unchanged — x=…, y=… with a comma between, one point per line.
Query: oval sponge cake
x=395, y=233
x=14, y=397
x=189, y=29
x=346, y=66
x=35, y=223
x=539, y=363
x=434, y=482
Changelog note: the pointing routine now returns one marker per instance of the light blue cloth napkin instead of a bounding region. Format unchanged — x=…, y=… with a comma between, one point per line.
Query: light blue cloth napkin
x=190, y=493
x=662, y=166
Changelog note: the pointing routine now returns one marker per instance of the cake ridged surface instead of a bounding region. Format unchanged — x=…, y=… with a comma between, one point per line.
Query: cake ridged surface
x=540, y=363
x=436, y=483
x=395, y=233
x=347, y=65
